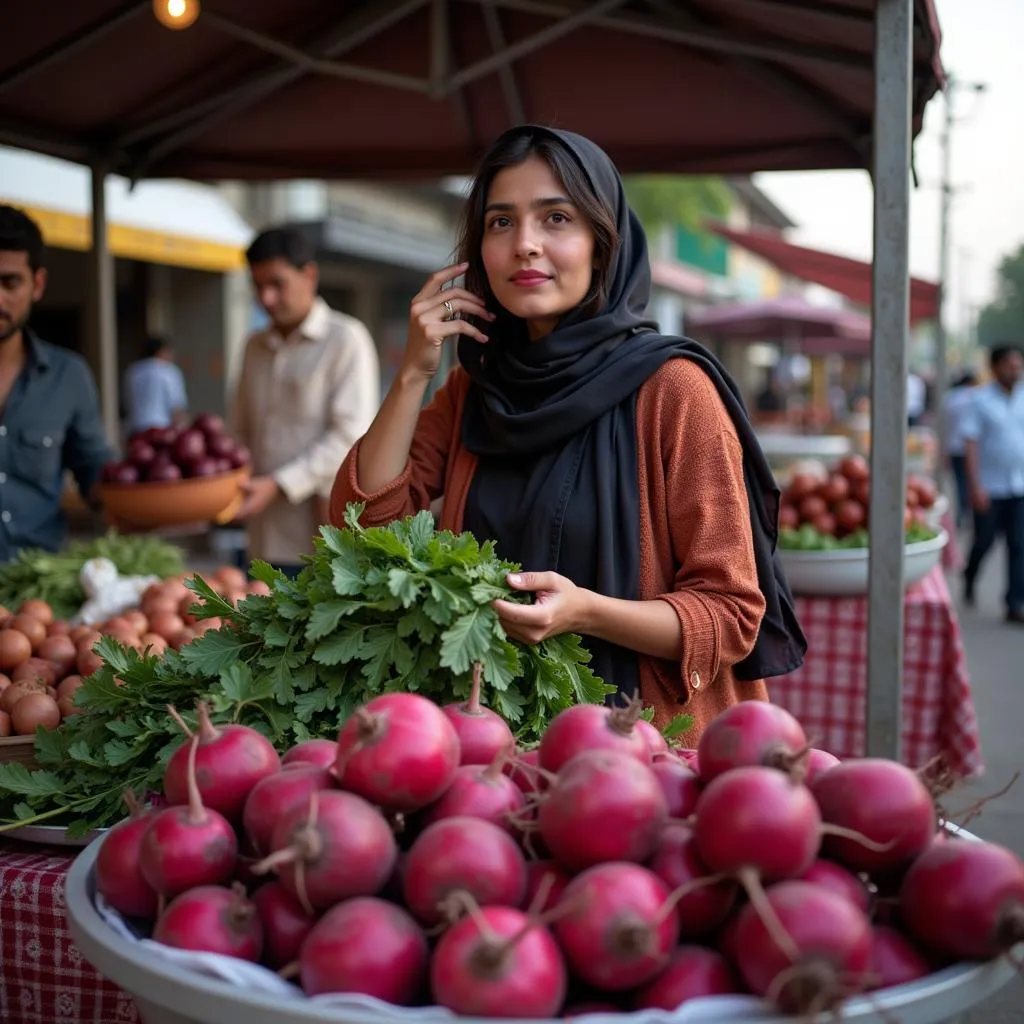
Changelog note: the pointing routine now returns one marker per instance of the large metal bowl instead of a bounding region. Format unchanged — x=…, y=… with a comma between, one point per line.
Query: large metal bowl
x=167, y=993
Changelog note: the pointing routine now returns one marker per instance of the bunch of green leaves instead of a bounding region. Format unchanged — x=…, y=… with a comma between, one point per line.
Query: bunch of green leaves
x=120, y=741
x=396, y=608
x=382, y=609
x=53, y=576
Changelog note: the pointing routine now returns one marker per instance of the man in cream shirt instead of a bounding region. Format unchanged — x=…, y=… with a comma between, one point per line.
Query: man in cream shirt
x=308, y=388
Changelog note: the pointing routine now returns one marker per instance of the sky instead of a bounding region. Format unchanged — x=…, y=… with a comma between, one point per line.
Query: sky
x=982, y=43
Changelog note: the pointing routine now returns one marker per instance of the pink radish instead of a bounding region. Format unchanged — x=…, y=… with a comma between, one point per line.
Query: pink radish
x=483, y=735
x=321, y=753
x=705, y=902
x=585, y=728
x=807, y=947
x=498, y=962
x=656, y=743
x=467, y=854
x=480, y=792
x=212, y=919
x=399, y=751
x=839, y=880
x=965, y=899
x=617, y=926
x=366, y=946
x=285, y=924
x=751, y=733
x=895, y=960
x=757, y=822
x=552, y=877
x=818, y=761
x=885, y=802
x=679, y=784
x=603, y=806
x=230, y=761
x=119, y=877
x=273, y=796
x=190, y=846
x=336, y=847
x=693, y=972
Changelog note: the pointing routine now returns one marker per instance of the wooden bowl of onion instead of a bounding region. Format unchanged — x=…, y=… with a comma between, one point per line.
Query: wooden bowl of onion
x=174, y=477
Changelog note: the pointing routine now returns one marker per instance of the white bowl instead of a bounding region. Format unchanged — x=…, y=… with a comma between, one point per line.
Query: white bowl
x=169, y=986
x=844, y=573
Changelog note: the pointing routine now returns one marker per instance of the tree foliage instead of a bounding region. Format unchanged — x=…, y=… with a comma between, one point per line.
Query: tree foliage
x=1002, y=320
x=662, y=200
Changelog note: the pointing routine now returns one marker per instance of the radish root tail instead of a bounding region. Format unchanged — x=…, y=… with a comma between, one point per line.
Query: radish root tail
x=856, y=837
x=179, y=721
x=755, y=891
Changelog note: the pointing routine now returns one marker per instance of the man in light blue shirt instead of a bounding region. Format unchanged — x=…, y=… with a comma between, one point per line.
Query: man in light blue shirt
x=993, y=433
x=155, y=389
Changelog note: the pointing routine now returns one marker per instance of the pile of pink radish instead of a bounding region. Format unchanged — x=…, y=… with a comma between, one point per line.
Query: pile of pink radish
x=422, y=860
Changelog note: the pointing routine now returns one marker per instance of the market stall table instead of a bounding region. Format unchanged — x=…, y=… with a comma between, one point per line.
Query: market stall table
x=827, y=694
x=43, y=977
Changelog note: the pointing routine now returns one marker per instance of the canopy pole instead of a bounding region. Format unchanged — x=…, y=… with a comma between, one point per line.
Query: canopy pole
x=890, y=308
x=104, y=325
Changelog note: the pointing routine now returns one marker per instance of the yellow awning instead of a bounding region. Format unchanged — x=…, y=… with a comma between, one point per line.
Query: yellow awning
x=71, y=231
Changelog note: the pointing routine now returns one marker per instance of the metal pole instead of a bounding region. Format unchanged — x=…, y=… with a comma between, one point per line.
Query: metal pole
x=104, y=326
x=946, y=200
x=890, y=302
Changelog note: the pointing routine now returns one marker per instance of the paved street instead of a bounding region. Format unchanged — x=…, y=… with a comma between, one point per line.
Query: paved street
x=995, y=657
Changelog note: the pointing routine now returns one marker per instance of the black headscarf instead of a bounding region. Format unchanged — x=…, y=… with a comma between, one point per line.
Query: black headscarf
x=554, y=425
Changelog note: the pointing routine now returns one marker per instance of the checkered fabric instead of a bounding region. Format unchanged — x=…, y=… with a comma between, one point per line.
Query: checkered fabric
x=827, y=694
x=43, y=978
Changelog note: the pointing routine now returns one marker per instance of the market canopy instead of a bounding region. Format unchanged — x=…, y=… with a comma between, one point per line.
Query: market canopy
x=841, y=274
x=258, y=89
x=788, y=318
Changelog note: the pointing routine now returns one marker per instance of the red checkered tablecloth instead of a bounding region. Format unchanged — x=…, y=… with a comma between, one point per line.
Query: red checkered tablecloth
x=827, y=694
x=43, y=978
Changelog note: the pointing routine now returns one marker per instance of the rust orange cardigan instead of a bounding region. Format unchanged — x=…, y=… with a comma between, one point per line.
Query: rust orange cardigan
x=696, y=550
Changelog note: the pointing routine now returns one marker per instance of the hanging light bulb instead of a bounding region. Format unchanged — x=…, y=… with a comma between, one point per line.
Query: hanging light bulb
x=176, y=14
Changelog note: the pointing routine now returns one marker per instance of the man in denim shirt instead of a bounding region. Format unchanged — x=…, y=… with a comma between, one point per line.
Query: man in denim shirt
x=49, y=409
x=993, y=433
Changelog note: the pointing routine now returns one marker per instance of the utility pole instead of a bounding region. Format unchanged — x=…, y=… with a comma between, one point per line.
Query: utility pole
x=947, y=190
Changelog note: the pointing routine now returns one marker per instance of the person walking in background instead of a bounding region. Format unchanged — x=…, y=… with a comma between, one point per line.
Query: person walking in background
x=955, y=410
x=309, y=387
x=49, y=410
x=993, y=433
x=155, y=392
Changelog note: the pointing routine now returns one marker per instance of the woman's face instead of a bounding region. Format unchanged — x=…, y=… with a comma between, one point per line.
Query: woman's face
x=537, y=250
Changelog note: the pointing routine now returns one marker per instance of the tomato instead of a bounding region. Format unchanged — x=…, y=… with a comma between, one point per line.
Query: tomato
x=835, y=488
x=854, y=468
x=789, y=518
x=812, y=507
x=850, y=515
x=801, y=486
x=862, y=492
x=825, y=524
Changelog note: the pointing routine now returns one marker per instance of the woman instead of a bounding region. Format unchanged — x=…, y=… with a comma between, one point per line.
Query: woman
x=615, y=464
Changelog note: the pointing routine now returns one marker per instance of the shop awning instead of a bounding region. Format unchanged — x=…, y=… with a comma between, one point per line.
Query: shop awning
x=841, y=274
x=177, y=223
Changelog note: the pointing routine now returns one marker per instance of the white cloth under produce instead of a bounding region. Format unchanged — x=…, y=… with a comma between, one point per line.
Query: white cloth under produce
x=300, y=404
x=366, y=1010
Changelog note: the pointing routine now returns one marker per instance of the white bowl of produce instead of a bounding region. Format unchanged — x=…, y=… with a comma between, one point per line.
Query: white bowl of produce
x=843, y=572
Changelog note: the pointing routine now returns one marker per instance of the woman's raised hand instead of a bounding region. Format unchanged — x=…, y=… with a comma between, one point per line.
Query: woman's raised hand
x=435, y=314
